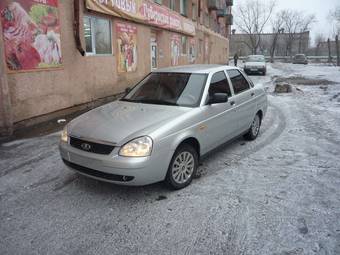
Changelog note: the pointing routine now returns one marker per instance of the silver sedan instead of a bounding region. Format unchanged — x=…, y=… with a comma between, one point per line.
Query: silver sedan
x=162, y=127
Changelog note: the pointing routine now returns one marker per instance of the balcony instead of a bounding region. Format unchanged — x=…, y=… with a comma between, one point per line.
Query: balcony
x=214, y=4
x=222, y=13
x=229, y=2
x=229, y=19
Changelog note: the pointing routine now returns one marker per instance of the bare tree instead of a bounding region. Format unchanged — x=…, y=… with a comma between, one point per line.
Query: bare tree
x=294, y=23
x=277, y=28
x=334, y=18
x=251, y=18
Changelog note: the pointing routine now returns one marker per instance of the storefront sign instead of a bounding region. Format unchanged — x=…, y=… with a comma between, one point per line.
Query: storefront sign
x=175, y=49
x=126, y=47
x=31, y=33
x=144, y=11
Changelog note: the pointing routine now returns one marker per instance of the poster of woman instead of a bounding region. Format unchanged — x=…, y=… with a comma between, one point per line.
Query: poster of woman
x=175, y=50
x=126, y=47
x=31, y=33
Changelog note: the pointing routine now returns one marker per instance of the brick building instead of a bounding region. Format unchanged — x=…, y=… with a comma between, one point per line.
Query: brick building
x=60, y=56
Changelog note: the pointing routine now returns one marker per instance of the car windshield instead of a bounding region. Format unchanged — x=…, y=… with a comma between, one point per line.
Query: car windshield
x=182, y=89
x=300, y=56
x=255, y=59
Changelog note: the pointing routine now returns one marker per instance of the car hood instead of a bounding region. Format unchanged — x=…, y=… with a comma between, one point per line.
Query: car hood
x=255, y=64
x=119, y=122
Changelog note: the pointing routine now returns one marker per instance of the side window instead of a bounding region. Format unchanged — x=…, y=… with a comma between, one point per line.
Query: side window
x=219, y=84
x=239, y=83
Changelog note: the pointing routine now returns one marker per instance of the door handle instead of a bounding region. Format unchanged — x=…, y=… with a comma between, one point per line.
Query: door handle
x=232, y=103
x=252, y=94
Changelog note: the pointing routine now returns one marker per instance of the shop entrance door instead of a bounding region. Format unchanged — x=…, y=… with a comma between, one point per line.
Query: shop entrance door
x=153, y=50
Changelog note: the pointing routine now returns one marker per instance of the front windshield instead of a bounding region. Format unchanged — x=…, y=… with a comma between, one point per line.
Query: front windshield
x=182, y=89
x=255, y=59
x=300, y=56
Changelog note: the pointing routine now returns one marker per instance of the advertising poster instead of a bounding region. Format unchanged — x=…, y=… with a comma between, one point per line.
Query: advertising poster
x=206, y=48
x=192, y=50
x=126, y=47
x=31, y=34
x=175, y=49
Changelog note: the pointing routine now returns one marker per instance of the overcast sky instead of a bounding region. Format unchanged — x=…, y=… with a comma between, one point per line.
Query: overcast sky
x=320, y=8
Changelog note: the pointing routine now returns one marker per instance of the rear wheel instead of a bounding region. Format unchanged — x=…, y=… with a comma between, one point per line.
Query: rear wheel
x=254, y=129
x=182, y=168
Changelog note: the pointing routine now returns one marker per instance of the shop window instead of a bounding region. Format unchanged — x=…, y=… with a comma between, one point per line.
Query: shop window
x=97, y=32
x=184, y=7
x=172, y=5
x=184, y=45
x=194, y=11
x=200, y=46
x=206, y=19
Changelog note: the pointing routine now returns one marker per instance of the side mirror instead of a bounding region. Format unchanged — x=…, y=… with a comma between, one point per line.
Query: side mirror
x=218, y=98
x=127, y=90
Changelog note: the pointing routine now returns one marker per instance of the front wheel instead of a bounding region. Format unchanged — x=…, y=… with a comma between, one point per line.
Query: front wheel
x=182, y=168
x=254, y=129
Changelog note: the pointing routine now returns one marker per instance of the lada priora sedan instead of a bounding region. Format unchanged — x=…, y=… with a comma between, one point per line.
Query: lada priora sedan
x=255, y=64
x=161, y=128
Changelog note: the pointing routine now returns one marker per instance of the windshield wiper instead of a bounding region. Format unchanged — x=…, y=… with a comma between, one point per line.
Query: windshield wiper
x=126, y=100
x=154, y=101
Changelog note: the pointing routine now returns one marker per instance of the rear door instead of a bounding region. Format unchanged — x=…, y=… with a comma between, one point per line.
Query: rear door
x=243, y=99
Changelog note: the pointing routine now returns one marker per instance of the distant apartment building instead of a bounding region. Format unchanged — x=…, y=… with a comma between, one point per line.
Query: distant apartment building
x=58, y=54
x=286, y=44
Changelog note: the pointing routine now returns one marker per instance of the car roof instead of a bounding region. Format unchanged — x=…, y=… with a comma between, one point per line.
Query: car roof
x=194, y=68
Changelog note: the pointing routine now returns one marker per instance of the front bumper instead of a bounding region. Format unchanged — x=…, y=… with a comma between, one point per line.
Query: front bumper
x=117, y=169
x=254, y=69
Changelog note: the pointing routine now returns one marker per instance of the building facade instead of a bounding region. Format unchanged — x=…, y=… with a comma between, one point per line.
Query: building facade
x=286, y=44
x=61, y=54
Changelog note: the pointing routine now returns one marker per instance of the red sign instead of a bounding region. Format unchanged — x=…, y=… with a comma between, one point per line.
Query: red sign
x=144, y=11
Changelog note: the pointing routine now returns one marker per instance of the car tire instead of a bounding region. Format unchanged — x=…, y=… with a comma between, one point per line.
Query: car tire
x=264, y=73
x=254, y=129
x=182, y=167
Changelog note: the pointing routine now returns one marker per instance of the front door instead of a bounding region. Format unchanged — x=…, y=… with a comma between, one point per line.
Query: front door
x=153, y=50
x=220, y=119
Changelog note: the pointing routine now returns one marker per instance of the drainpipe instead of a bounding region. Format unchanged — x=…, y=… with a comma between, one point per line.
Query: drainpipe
x=76, y=27
x=6, y=114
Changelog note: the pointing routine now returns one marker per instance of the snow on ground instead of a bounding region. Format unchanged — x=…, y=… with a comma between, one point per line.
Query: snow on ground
x=279, y=194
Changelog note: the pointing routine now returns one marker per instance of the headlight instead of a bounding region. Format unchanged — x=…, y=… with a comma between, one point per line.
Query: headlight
x=64, y=135
x=139, y=147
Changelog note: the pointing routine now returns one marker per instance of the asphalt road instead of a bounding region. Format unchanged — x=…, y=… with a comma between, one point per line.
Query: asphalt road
x=279, y=194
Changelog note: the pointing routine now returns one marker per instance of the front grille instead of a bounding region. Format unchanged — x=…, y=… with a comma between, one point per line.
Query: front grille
x=98, y=174
x=91, y=146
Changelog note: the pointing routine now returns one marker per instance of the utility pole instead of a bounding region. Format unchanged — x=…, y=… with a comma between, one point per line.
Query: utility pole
x=337, y=50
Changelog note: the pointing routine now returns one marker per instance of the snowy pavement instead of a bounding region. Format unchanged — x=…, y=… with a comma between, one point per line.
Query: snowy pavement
x=279, y=194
